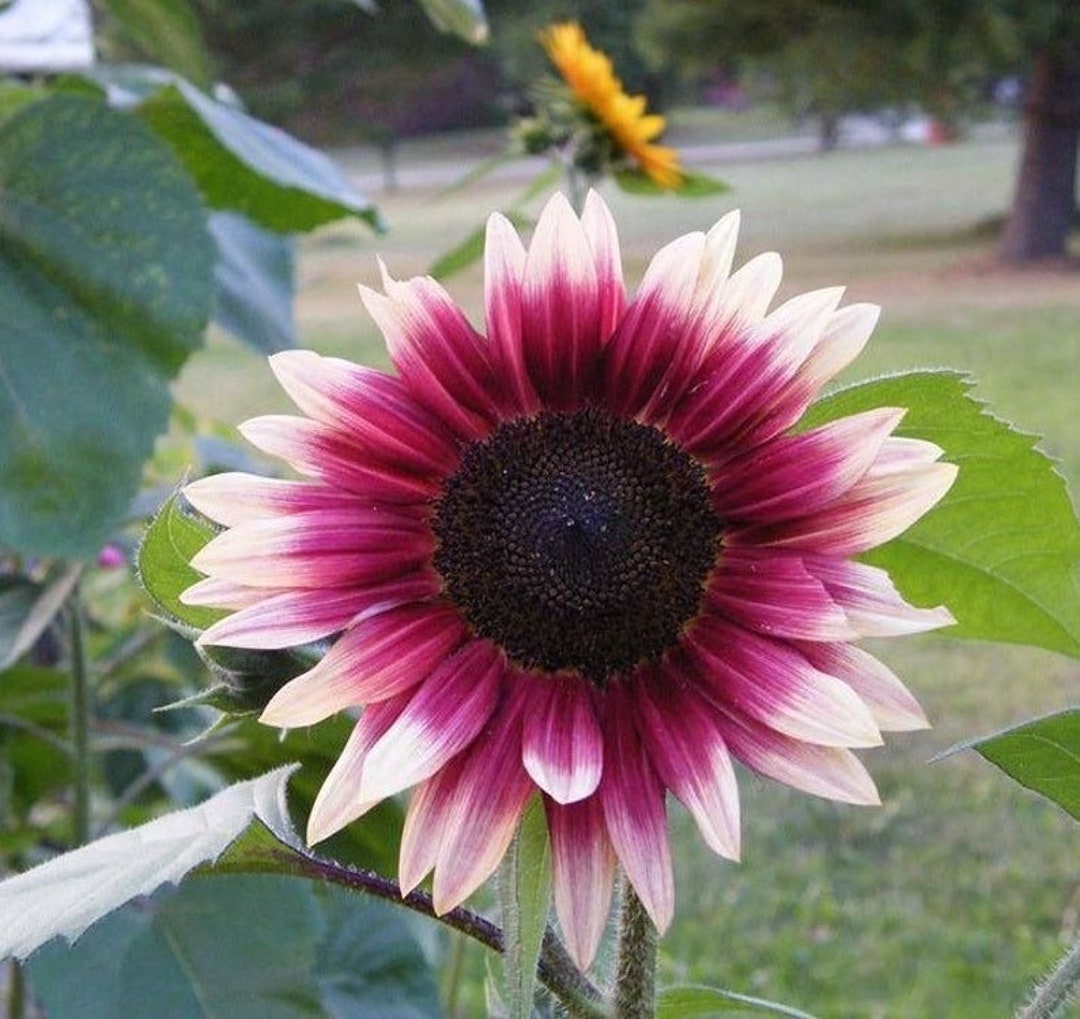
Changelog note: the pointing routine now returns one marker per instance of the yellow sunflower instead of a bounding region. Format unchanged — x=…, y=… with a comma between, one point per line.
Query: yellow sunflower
x=592, y=79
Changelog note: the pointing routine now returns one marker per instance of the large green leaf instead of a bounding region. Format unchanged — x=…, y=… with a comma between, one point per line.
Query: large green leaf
x=244, y=165
x=254, y=280
x=105, y=277
x=1002, y=549
x=1042, y=754
x=242, y=947
x=63, y=897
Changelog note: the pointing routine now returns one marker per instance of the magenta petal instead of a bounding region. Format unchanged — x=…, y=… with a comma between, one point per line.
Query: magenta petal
x=891, y=703
x=443, y=717
x=583, y=872
x=381, y=656
x=885, y=502
x=832, y=772
x=339, y=801
x=426, y=824
x=561, y=308
x=442, y=359
x=287, y=619
x=562, y=746
x=775, y=595
x=319, y=451
x=688, y=752
x=795, y=474
x=321, y=548
x=599, y=227
x=870, y=600
x=633, y=800
x=650, y=343
x=504, y=269
x=234, y=498
x=769, y=681
x=488, y=800
x=224, y=594
x=375, y=410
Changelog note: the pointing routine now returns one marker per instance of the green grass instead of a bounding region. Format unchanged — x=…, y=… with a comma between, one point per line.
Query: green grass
x=958, y=892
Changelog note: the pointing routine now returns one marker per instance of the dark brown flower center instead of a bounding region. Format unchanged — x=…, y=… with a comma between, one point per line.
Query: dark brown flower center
x=576, y=541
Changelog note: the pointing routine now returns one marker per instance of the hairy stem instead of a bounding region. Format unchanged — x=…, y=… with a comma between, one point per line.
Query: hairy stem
x=556, y=971
x=635, y=974
x=80, y=720
x=1057, y=990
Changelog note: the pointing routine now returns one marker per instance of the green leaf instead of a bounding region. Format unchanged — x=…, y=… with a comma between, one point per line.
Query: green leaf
x=105, y=272
x=164, y=563
x=243, y=165
x=28, y=608
x=368, y=965
x=463, y=18
x=63, y=897
x=165, y=31
x=1002, y=549
x=313, y=951
x=694, y=185
x=525, y=895
x=254, y=281
x=690, y=1001
x=1043, y=755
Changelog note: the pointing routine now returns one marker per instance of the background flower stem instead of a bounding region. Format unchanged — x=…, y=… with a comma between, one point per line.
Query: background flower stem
x=635, y=975
x=1057, y=990
x=80, y=720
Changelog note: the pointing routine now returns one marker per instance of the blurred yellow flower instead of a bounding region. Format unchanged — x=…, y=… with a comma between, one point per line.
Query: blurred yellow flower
x=591, y=78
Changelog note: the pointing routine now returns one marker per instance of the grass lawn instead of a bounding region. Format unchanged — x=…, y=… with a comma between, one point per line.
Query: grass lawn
x=951, y=898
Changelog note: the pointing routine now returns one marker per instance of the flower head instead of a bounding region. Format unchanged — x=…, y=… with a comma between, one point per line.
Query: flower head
x=621, y=118
x=583, y=555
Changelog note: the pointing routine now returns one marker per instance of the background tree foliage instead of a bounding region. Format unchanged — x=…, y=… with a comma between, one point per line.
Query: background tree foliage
x=831, y=57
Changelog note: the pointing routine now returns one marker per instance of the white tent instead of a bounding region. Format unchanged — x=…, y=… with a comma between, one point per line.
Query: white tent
x=45, y=36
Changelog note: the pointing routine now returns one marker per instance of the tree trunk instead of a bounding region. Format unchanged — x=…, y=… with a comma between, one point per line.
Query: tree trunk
x=1044, y=204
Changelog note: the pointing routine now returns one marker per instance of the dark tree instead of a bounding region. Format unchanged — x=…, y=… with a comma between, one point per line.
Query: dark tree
x=1044, y=202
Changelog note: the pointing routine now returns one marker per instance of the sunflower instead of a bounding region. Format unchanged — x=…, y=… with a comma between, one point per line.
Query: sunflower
x=621, y=117
x=585, y=556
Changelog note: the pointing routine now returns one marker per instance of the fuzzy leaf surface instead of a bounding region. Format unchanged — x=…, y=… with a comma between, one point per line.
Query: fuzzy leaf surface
x=105, y=284
x=243, y=165
x=64, y=896
x=317, y=952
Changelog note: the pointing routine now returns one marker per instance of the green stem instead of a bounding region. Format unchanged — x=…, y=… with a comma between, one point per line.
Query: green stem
x=1057, y=990
x=16, y=997
x=635, y=974
x=80, y=720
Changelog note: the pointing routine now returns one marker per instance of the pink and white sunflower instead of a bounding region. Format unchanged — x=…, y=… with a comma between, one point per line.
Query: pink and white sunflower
x=582, y=554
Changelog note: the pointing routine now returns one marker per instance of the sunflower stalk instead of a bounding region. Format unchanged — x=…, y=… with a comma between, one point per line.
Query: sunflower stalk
x=635, y=974
x=1055, y=992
